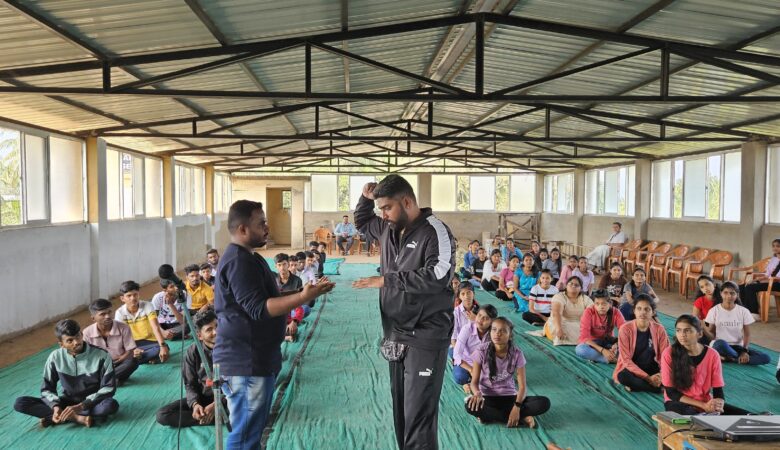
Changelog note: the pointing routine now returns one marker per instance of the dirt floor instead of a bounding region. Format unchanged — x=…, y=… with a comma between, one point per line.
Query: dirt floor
x=671, y=303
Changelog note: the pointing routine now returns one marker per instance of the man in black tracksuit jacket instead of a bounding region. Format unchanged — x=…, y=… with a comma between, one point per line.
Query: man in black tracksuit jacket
x=417, y=264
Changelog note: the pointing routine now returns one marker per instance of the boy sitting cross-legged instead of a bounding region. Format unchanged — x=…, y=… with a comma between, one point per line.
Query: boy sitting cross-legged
x=141, y=317
x=87, y=377
x=113, y=337
x=198, y=406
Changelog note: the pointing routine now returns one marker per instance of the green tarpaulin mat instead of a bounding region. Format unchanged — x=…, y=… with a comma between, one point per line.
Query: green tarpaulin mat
x=338, y=394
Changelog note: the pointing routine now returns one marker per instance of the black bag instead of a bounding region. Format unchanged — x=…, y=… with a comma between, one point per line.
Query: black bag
x=393, y=351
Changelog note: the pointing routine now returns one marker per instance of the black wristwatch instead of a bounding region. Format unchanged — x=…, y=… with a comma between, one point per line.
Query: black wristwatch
x=519, y=404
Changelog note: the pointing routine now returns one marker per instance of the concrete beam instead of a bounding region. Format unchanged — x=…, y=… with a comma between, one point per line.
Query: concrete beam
x=753, y=201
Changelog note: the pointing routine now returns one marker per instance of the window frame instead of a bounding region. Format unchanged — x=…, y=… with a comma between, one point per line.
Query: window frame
x=672, y=173
x=554, y=193
x=604, y=170
x=143, y=157
x=46, y=135
x=191, y=168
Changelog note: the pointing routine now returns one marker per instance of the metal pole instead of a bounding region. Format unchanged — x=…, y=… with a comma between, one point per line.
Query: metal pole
x=218, y=409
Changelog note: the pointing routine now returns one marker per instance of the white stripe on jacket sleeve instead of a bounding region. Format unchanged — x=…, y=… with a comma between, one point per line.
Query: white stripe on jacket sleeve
x=445, y=248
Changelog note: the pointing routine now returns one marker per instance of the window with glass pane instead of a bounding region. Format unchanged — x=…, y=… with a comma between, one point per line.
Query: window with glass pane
x=35, y=177
x=356, y=184
x=732, y=187
x=323, y=193
x=138, y=186
x=773, y=184
x=307, y=196
x=219, y=201
x=549, y=193
x=153, y=187
x=198, y=191
x=631, y=191
x=127, y=185
x=694, y=188
x=522, y=196
x=10, y=178
x=564, y=190
x=66, y=180
x=713, y=187
x=343, y=192
x=113, y=185
x=463, y=193
x=677, y=179
x=621, y=191
x=227, y=192
x=610, y=192
x=286, y=199
x=412, y=179
x=443, y=192
x=482, y=196
x=502, y=193
x=662, y=189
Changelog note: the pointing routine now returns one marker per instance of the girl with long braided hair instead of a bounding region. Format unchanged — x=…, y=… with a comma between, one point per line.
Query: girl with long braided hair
x=495, y=397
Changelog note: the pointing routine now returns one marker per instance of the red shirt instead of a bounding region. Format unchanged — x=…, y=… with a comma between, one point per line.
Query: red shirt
x=593, y=326
x=707, y=375
x=704, y=305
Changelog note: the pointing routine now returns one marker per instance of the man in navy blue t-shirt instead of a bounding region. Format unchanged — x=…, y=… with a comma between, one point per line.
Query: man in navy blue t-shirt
x=251, y=316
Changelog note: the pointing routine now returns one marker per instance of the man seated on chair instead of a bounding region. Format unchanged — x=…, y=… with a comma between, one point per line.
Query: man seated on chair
x=87, y=378
x=112, y=336
x=198, y=407
x=345, y=233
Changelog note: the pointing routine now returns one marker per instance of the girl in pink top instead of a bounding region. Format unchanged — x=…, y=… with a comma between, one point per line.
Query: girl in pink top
x=506, y=285
x=641, y=342
x=495, y=397
x=691, y=373
x=567, y=272
x=597, y=330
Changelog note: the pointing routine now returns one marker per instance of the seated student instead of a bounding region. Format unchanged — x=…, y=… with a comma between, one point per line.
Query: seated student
x=597, y=330
x=554, y=264
x=510, y=250
x=613, y=283
x=525, y=278
x=567, y=272
x=536, y=252
x=141, y=317
x=540, y=299
x=464, y=313
x=641, y=342
x=198, y=407
x=495, y=397
x=170, y=313
x=318, y=268
x=212, y=258
x=729, y=325
x=637, y=286
x=202, y=294
x=113, y=337
x=491, y=271
x=760, y=280
x=288, y=283
x=469, y=339
x=87, y=377
x=690, y=370
x=477, y=268
x=468, y=260
x=707, y=297
x=306, y=271
x=585, y=274
x=318, y=248
x=294, y=264
x=544, y=256
x=777, y=374
x=496, y=244
x=205, y=274
x=563, y=327
x=506, y=283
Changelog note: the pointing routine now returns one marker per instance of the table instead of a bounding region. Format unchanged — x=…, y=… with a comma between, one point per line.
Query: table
x=697, y=440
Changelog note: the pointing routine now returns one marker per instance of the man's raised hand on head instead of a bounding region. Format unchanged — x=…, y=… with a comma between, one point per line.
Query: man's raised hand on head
x=368, y=191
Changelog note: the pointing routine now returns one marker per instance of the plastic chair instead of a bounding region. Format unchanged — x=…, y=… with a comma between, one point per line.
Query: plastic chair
x=757, y=267
x=678, y=265
x=323, y=234
x=763, y=299
x=619, y=254
x=659, y=264
x=640, y=255
x=695, y=268
x=357, y=243
x=648, y=259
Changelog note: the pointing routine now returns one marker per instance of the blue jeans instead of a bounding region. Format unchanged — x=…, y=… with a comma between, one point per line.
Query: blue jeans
x=151, y=351
x=627, y=309
x=460, y=375
x=249, y=401
x=732, y=352
x=476, y=283
x=585, y=351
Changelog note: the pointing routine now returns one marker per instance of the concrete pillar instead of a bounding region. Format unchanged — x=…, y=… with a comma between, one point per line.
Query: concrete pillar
x=539, y=193
x=424, y=190
x=209, y=186
x=168, y=198
x=97, y=205
x=753, y=201
x=643, y=173
x=578, y=208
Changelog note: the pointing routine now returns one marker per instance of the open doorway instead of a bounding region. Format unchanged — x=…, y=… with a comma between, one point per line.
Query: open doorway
x=278, y=211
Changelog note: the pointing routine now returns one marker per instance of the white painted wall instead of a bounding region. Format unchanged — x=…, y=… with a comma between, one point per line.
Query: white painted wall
x=46, y=274
x=192, y=234
x=597, y=229
x=130, y=250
